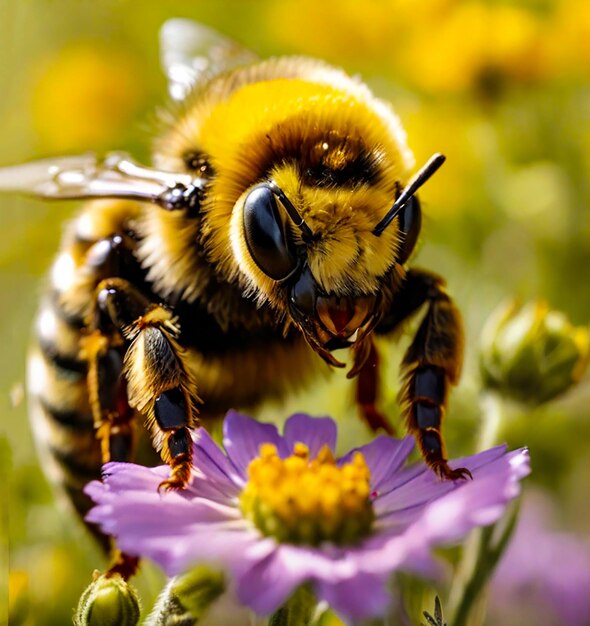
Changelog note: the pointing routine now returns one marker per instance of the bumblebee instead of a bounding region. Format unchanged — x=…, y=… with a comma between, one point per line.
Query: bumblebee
x=274, y=228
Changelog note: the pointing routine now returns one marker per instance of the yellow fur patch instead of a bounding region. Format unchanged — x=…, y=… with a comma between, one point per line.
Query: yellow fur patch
x=244, y=136
x=245, y=123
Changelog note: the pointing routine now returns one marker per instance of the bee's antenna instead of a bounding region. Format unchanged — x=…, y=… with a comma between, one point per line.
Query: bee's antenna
x=435, y=161
x=294, y=214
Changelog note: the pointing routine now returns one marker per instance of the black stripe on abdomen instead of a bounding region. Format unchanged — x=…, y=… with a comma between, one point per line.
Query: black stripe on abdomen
x=74, y=420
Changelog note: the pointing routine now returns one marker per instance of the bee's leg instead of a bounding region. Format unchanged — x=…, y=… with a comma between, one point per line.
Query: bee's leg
x=123, y=564
x=102, y=347
x=431, y=364
x=107, y=392
x=111, y=412
x=367, y=390
x=159, y=384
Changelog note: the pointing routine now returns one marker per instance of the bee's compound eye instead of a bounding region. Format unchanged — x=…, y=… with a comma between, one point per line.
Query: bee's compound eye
x=410, y=221
x=266, y=236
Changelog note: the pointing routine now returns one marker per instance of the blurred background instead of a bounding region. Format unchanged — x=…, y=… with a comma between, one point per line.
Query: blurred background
x=501, y=87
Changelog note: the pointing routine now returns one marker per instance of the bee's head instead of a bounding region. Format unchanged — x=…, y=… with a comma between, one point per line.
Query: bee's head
x=320, y=254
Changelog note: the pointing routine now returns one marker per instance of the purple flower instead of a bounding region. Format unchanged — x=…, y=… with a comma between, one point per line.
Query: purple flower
x=279, y=510
x=544, y=578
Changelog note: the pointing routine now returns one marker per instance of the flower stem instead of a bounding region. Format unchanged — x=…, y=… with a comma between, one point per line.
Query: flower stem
x=486, y=545
x=492, y=409
x=482, y=554
x=297, y=611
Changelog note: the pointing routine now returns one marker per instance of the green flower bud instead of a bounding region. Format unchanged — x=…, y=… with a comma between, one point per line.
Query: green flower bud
x=532, y=354
x=187, y=598
x=108, y=601
x=199, y=588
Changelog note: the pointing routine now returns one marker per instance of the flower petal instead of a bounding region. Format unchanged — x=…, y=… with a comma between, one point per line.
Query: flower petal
x=173, y=529
x=412, y=488
x=242, y=437
x=479, y=459
x=124, y=502
x=314, y=432
x=384, y=457
x=471, y=503
x=415, y=512
x=212, y=544
x=212, y=463
x=267, y=585
x=333, y=572
x=479, y=502
x=356, y=598
x=133, y=476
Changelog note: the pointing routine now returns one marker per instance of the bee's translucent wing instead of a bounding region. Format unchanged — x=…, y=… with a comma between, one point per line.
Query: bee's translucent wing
x=191, y=52
x=115, y=176
x=39, y=177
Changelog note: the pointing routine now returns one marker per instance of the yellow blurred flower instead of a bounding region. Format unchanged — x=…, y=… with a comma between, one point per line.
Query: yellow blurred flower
x=84, y=96
x=441, y=45
x=566, y=45
x=333, y=29
x=349, y=31
x=454, y=129
x=471, y=44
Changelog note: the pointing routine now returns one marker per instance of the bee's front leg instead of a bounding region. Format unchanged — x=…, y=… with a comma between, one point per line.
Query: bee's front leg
x=431, y=364
x=159, y=384
x=367, y=389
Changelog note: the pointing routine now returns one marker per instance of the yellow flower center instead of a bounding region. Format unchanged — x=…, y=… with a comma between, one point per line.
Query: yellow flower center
x=308, y=501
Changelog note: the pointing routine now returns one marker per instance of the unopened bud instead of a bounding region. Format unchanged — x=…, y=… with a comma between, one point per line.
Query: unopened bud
x=108, y=601
x=187, y=598
x=532, y=354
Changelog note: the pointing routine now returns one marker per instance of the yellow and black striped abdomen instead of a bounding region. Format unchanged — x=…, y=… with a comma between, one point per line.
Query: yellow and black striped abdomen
x=59, y=406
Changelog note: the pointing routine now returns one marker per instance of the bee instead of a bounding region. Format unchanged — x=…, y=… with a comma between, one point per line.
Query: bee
x=274, y=227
